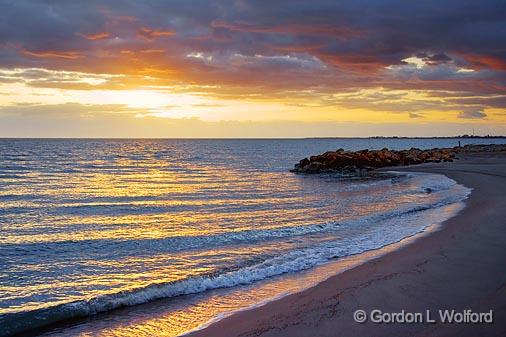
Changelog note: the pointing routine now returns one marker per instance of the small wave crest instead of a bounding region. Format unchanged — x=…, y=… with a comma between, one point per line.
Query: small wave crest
x=393, y=229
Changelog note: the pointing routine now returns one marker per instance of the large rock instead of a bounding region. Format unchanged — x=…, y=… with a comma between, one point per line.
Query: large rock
x=347, y=162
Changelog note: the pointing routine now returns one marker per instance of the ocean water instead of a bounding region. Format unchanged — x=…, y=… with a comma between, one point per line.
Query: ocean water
x=203, y=226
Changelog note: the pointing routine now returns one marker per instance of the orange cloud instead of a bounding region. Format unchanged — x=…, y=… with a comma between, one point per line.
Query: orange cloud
x=367, y=64
x=486, y=61
x=71, y=55
x=96, y=36
x=152, y=34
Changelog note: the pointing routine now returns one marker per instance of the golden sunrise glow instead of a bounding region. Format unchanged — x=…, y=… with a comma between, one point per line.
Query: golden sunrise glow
x=178, y=102
x=220, y=76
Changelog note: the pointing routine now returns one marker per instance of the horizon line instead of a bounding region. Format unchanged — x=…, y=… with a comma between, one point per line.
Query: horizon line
x=258, y=138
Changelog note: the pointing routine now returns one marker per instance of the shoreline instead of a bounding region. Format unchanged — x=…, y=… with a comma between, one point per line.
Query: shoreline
x=340, y=266
x=320, y=272
x=460, y=266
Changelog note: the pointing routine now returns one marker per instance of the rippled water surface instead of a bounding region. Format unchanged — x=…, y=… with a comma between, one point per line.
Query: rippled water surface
x=88, y=226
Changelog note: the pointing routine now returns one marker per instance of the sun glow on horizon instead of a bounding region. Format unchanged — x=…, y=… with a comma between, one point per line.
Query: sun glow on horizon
x=373, y=105
x=162, y=64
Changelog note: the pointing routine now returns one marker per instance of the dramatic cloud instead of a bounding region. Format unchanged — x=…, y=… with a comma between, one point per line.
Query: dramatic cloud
x=422, y=60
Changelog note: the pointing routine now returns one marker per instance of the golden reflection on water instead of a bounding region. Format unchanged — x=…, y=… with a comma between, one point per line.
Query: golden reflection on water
x=81, y=230
x=176, y=316
x=167, y=200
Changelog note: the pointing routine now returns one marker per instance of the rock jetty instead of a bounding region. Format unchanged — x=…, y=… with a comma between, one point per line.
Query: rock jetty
x=359, y=162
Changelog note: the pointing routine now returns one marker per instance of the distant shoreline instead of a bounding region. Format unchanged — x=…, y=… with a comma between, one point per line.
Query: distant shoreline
x=417, y=137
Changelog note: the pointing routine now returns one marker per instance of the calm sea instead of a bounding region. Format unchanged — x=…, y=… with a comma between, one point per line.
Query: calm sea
x=89, y=226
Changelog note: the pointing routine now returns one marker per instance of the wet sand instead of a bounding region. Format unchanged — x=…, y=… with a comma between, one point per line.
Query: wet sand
x=460, y=267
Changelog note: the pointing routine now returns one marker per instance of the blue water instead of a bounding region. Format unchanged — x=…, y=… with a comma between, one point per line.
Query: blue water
x=88, y=226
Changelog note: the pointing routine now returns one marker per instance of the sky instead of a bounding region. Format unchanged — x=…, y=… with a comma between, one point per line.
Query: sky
x=244, y=68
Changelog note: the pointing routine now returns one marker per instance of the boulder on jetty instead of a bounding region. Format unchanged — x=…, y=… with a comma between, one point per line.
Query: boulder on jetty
x=352, y=163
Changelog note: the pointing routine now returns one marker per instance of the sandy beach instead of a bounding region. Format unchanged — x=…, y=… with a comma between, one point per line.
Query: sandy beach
x=460, y=267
